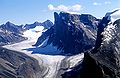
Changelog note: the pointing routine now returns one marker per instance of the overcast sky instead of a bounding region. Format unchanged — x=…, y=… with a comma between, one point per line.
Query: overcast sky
x=29, y=11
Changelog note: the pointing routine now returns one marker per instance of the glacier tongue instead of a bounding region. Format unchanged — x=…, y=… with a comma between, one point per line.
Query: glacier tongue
x=52, y=62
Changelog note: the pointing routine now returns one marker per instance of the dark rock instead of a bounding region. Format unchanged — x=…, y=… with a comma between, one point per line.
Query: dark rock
x=70, y=28
x=10, y=33
x=18, y=65
x=11, y=27
x=90, y=70
x=104, y=60
x=104, y=22
x=47, y=24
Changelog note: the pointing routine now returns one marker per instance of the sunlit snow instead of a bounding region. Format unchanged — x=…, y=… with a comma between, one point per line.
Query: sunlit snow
x=115, y=15
x=52, y=62
x=34, y=33
x=110, y=28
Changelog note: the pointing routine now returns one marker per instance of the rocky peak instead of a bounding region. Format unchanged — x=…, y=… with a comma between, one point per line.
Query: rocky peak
x=47, y=21
x=29, y=26
x=10, y=27
x=10, y=33
x=9, y=23
x=85, y=20
x=69, y=29
x=69, y=34
x=36, y=23
x=47, y=24
x=89, y=20
x=104, y=60
x=107, y=55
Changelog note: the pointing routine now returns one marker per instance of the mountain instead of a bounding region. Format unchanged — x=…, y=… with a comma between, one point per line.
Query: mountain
x=103, y=60
x=10, y=33
x=90, y=48
x=47, y=24
x=71, y=33
x=11, y=27
x=9, y=37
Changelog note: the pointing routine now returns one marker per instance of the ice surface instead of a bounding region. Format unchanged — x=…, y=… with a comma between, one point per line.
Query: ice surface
x=45, y=57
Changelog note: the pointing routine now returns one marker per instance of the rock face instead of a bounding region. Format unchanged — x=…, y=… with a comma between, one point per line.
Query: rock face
x=68, y=65
x=47, y=24
x=107, y=56
x=10, y=33
x=71, y=33
x=104, y=60
x=18, y=65
x=11, y=27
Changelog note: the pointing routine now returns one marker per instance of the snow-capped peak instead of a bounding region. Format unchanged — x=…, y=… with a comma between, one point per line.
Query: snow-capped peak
x=109, y=13
x=115, y=15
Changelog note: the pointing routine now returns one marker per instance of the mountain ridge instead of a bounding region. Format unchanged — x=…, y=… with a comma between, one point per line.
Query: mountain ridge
x=96, y=39
x=68, y=29
x=11, y=33
x=103, y=60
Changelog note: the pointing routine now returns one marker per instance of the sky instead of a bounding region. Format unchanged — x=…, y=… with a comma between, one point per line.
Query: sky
x=29, y=11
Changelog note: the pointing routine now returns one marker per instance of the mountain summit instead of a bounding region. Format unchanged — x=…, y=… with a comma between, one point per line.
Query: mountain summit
x=71, y=33
x=47, y=24
x=11, y=33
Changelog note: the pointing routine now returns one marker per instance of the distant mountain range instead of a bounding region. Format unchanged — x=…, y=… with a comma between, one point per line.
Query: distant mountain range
x=47, y=24
x=11, y=33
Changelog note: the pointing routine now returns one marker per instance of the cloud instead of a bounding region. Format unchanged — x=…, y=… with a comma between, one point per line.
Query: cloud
x=104, y=3
x=96, y=3
x=51, y=7
x=71, y=9
x=107, y=2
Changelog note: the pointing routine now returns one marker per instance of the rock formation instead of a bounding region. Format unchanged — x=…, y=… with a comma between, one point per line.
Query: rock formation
x=47, y=24
x=71, y=33
x=104, y=60
x=18, y=65
x=10, y=33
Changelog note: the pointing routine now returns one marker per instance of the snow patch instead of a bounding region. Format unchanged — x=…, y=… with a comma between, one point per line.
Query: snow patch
x=34, y=33
x=115, y=16
x=73, y=60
